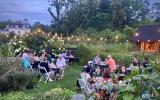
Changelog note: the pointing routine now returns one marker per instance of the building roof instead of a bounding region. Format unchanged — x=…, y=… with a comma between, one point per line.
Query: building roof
x=147, y=33
x=19, y=24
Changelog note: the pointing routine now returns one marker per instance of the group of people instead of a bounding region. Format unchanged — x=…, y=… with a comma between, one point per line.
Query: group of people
x=97, y=74
x=30, y=60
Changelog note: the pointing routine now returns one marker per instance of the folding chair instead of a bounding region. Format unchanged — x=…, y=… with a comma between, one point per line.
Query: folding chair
x=82, y=84
x=84, y=87
x=46, y=75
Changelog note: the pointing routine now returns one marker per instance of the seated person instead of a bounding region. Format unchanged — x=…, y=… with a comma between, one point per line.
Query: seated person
x=35, y=61
x=61, y=64
x=106, y=75
x=64, y=54
x=85, y=75
x=121, y=69
x=145, y=63
x=88, y=68
x=44, y=63
x=49, y=58
x=97, y=72
x=91, y=85
x=135, y=62
x=97, y=60
x=25, y=60
x=122, y=72
x=111, y=63
x=70, y=57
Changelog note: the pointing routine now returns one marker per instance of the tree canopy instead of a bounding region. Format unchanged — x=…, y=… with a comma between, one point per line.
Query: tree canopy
x=69, y=15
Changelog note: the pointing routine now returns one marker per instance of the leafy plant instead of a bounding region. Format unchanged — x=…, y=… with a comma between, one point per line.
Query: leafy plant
x=56, y=94
x=15, y=80
x=17, y=96
x=84, y=53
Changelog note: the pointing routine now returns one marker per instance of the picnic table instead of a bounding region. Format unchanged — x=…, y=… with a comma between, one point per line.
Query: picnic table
x=72, y=59
x=102, y=66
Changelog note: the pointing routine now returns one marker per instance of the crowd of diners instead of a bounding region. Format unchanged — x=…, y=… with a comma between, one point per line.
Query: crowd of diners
x=32, y=60
x=97, y=75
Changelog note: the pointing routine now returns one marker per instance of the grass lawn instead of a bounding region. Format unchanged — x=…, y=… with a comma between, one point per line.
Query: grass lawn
x=69, y=82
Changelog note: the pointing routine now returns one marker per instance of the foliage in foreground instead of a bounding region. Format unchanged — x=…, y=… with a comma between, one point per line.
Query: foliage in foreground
x=141, y=85
x=17, y=80
x=56, y=94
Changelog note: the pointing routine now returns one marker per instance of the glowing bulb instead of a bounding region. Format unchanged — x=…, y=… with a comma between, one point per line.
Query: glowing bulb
x=68, y=38
x=78, y=39
x=136, y=34
x=88, y=39
x=116, y=37
x=101, y=38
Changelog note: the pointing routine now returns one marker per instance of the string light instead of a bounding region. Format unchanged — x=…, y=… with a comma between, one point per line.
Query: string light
x=72, y=36
x=136, y=34
x=68, y=38
x=78, y=39
x=101, y=38
x=116, y=37
x=88, y=39
x=127, y=40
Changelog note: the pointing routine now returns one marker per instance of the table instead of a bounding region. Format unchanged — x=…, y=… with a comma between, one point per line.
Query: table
x=72, y=59
x=102, y=66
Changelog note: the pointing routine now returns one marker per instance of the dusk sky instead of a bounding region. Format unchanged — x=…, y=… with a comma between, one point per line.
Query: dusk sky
x=33, y=10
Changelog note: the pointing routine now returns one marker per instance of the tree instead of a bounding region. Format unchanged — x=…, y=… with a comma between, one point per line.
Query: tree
x=155, y=13
x=118, y=14
x=100, y=21
x=43, y=27
x=57, y=9
x=2, y=25
x=134, y=10
x=3, y=39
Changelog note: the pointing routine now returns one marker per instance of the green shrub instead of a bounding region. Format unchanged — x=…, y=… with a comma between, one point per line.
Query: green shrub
x=17, y=96
x=56, y=94
x=5, y=51
x=128, y=31
x=35, y=41
x=84, y=54
x=16, y=80
x=7, y=63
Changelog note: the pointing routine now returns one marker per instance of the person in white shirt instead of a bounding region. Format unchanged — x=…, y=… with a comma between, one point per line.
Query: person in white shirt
x=61, y=63
x=85, y=76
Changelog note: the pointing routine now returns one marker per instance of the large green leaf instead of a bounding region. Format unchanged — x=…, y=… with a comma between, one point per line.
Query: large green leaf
x=128, y=96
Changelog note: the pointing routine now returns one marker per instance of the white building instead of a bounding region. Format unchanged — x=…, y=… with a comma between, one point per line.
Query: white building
x=19, y=28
